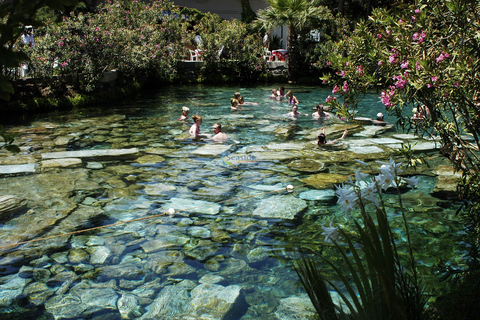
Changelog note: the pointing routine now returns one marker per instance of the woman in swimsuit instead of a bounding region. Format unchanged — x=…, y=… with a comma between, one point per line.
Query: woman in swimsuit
x=291, y=98
x=195, y=128
x=322, y=139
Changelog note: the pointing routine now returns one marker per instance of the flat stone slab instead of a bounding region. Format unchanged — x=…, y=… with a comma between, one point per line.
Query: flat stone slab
x=365, y=149
x=264, y=187
x=285, y=146
x=276, y=155
x=426, y=146
x=211, y=149
x=197, y=206
x=405, y=136
x=158, y=189
x=371, y=131
x=62, y=163
x=325, y=180
x=17, y=168
x=280, y=207
x=320, y=195
x=102, y=153
x=386, y=141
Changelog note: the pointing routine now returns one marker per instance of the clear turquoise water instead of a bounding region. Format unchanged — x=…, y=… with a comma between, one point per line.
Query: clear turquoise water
x=239, y=236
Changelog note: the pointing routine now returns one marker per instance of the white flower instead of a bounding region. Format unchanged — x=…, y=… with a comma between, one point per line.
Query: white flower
x=390, y=166
x=369, y=193
x=331, y=233
x=359, y=176
x=347, y=198
x=412, y=181
x=386, y=179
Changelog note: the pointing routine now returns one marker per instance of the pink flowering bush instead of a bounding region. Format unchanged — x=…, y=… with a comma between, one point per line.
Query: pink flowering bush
x=125, y=38
x=140, y=41
x=430, y=61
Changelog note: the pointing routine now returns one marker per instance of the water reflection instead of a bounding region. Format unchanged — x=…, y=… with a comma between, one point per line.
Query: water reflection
x=226, y=252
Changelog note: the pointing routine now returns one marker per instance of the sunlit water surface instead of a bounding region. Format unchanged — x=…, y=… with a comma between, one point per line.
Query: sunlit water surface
x=224, y=239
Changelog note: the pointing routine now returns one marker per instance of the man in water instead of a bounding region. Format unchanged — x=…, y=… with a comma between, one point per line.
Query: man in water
x=219, y=135
x=379, y=121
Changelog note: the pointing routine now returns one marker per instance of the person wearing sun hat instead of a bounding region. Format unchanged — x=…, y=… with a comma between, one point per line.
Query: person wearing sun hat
x=379, y=121
x=185, y=111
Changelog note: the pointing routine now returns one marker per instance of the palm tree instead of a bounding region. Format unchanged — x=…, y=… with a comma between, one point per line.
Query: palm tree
x=296, y=15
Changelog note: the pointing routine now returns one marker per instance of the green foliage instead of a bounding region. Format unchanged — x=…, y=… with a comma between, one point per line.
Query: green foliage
x=425, y=56
x=299, y=16
x=140, y=41
x=248, y=15
x=8, y=139
x=13, y=16
x=380, y=284
x=316, y=286
x=120, y=37
x=229, y=50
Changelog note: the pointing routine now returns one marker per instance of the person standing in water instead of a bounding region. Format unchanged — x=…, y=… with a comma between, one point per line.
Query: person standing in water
x=320, y=112
x=219, y=135
x=195, y=128
x=184, y=115
x=291, y=98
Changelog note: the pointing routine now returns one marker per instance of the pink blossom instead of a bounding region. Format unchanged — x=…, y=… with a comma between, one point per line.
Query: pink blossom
x=418, y=66
x=455, y=84
x=429, y=85
x=360, y=70
x=413, y=18
x=335, y=89
x=417, y=10
x=379, y=36
x=345, y=86
x=442, y=56
x=330, y=99
x=391, y=59
x=328, y=63
x=347, y=63
x=385, y=99
x=415, y=36
x=401, y=82
x=388, y=32
x=97, y=29
x=400, y=21
x=434, y=78
x=380, y=62
x=422, y=37
x=404, y=64
x=342, y=73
